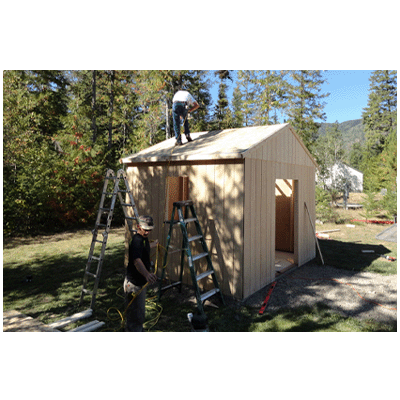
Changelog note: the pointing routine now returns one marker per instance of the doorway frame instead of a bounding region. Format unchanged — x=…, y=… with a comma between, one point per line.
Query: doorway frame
x=295, y=194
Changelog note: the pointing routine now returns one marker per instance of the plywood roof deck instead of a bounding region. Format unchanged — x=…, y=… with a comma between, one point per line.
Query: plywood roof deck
x=225, y=144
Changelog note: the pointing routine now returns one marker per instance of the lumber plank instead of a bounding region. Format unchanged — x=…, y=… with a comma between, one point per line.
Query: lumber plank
x=73, y=318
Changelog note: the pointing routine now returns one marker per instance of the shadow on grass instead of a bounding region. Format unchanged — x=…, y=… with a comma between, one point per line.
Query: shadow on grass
x=319, y=318
x=350, y=256
x=50, y=289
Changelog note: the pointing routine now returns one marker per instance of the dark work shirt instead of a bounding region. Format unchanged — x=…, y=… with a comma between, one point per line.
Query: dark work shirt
x=139, y=248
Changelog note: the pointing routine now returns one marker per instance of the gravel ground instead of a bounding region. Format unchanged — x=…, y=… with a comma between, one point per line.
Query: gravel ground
x=311, y=284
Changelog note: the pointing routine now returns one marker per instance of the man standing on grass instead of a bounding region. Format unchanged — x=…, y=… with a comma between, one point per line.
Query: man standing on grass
x=182, y=104
x=138, y=275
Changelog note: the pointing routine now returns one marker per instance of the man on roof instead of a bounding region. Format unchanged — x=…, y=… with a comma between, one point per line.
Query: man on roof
x=183, y=103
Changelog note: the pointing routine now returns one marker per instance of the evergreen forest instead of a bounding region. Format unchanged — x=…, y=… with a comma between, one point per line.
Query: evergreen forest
x=63, y=129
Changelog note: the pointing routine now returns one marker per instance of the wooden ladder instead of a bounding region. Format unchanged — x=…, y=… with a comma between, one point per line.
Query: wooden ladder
x=183, y=222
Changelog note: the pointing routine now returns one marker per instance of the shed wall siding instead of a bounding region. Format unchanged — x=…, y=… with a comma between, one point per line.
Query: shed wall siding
x=235, y=203
x=217, y=193
x=282, y=147
x=262, y=168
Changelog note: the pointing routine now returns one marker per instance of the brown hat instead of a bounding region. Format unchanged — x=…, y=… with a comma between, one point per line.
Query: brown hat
x=146, y=222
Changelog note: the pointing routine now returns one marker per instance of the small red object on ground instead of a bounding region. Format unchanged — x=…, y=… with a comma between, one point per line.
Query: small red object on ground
x=264, y=304
x=373, y=221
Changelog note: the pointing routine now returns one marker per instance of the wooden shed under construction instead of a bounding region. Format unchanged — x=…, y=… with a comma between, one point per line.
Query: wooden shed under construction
x=249, y=187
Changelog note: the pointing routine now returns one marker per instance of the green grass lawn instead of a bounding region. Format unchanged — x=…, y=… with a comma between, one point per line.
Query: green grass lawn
x=42, y=278
x=344, y=249
x=55, y=264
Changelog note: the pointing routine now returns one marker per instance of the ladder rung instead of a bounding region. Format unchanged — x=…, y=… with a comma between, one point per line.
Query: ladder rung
x=96, y=258
x=102, y=225
x=89, y=273
x=196, y=237
x=183, y=203
x=204, y=274
x=189, y=220
x=98, y=241
x=198, y=256
x=86, y=291
x=206, y=295
x=123, y=191
x=105, y=209
x=126, y=204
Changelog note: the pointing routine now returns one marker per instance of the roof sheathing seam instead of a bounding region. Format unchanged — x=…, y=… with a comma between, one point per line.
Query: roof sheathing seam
x=219, y=156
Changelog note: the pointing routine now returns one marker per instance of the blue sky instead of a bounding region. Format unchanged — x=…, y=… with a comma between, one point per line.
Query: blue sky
x=349, y=90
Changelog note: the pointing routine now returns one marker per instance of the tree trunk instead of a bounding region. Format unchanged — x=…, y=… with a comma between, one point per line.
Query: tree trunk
x=111, y=110
x=94, y=126
x=167, y=126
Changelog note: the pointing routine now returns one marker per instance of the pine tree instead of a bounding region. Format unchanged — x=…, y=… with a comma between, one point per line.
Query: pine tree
x=306, y=105
x=270, y=96
x=34, y=103
x=247, y=89
x=237, y=106
x=380, y=124
x=222, y=116
x=150, y=89
x=380, y=116
x=388, y=169
x=355, y=157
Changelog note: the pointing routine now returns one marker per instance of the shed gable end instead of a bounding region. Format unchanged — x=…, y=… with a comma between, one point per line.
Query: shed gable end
x=283, y=147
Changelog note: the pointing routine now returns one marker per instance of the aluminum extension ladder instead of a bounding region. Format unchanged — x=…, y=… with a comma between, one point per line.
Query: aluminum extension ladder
x=183, y=222
x=109, y=197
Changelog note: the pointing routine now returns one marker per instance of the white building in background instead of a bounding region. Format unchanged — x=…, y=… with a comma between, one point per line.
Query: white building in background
x=341, y=173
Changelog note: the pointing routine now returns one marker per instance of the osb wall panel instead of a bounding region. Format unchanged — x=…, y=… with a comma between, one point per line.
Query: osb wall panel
x=217, y=193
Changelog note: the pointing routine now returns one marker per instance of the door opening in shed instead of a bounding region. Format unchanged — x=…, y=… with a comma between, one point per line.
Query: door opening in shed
x=177, y=190
x=285, y=216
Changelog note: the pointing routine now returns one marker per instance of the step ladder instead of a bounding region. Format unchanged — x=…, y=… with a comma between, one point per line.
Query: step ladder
x=186, y=240
x=101, y=230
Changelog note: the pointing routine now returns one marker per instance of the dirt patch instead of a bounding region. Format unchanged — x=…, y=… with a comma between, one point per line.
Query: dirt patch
x=363, y=295
x=14, y=321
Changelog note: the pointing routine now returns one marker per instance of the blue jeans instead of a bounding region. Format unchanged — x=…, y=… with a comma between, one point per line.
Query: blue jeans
x=178, y=110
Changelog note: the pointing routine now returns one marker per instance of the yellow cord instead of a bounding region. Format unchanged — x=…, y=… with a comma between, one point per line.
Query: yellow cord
x=122, y=316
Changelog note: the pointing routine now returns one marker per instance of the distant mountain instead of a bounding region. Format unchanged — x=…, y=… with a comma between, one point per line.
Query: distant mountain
x=352, y=132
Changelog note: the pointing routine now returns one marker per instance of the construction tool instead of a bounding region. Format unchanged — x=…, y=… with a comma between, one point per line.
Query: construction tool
x=264, y=304
x=387, y=257
x=316, y=240
x=183, y=221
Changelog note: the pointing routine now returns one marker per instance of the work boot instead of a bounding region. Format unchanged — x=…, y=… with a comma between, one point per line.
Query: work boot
x=189, y=139
x=178, y=142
